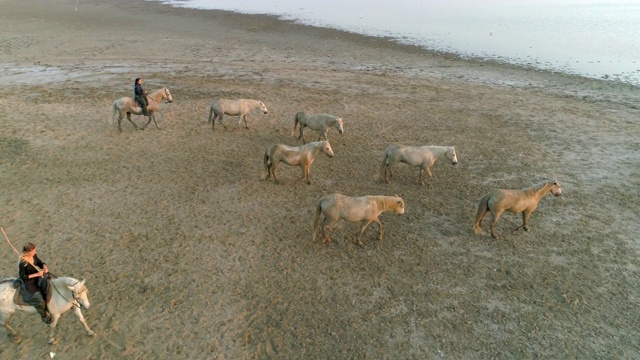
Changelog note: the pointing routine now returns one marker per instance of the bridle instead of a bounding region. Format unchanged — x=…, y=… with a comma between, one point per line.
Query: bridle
x=75, y=301
x=166, y=94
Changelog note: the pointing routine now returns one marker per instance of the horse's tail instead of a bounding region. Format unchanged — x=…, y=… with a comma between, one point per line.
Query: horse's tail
x=265, y=161
x=296, y=120
x=483, y=207
x=381, y=169
x=210, y=114
x=316, y=218
x=113, y=113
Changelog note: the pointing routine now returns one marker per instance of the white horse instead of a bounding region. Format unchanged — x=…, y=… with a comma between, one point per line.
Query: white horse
x=365, y=209
x=66, y=293
x=423, y=156
x=317, y=122
x=127, y=105
x=302, y=156
x=239, y=107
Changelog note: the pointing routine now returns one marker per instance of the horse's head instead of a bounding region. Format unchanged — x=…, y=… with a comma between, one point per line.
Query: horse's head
x=167, y=95
x=453, y=156
x=263, y=107
x=399, y=205
x=326, y=148
x=339, y=125
x=555, y=188
x=80, y=294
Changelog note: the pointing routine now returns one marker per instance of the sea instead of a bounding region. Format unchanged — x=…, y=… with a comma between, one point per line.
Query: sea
x=592, y=38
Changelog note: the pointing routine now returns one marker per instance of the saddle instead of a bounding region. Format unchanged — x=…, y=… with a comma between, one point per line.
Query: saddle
x=21, y=295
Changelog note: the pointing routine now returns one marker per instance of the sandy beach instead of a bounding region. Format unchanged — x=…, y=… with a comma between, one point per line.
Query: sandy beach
x=188, y=254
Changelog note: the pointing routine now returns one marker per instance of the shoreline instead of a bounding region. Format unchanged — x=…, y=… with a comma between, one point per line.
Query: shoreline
x=449, y=66
x=624, y=77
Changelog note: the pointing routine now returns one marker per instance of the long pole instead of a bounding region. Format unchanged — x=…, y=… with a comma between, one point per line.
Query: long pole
x=7, y=238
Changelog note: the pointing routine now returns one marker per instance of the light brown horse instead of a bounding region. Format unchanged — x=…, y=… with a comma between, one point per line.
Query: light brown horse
x=127, y=105
x=517, y=201
x=423, y=156
x=302, y=156
x=239, y=107
x=354, y=209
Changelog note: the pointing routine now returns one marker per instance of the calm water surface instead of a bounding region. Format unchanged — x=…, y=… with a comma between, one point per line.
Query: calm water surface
x=598, y=39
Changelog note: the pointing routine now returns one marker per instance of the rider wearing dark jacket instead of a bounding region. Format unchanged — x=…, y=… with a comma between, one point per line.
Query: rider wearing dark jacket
x=140, y=95
x=34, y=274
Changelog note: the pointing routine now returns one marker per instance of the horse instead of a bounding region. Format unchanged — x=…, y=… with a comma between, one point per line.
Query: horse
x=423, y=156
x=516, y=201
x=66, y=293
x=364, y=209
x=318, y=122
x=239, y=107
x=127, y=105
x=302, y=156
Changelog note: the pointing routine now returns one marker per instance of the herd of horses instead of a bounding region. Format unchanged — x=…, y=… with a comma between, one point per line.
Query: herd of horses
x=364, y=209
x=73, y=294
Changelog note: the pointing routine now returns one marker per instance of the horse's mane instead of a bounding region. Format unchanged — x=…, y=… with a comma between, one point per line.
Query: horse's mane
x=68, y=281
x=316, y=143
x=385, y=202
x=539, y=185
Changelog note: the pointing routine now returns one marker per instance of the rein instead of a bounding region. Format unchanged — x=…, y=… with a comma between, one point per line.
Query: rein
x=75, y=301
x=156, y=101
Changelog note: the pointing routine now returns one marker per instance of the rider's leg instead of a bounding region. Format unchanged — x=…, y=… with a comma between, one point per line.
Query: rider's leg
x=41, y=307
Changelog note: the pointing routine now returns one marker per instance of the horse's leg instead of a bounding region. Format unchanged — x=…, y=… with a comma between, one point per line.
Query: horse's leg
x=245, y=121
x=78, y=312
x=153, y=116
x=525, y=220
x=390, y=169
x=274, y=167
x=131, y=121
x=362, y=232
x=326, y=222
x=377, y=221
x=220, y=120
x=477, y=228
x=495, y=215
x=302, y=134
x=305, y=173
x=425, y=168
x=12, y=333
x=148, y=121
x=52, y=328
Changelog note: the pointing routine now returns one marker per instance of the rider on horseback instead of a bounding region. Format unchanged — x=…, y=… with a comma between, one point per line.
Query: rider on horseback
x=140, y=96
x=34, y=274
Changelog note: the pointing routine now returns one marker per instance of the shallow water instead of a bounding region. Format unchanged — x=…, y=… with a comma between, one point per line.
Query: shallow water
x=589, y=38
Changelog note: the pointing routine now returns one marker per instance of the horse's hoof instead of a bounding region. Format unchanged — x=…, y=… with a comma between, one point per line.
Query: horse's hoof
x=52, y=341
x=91, y=333
x=17, y=339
